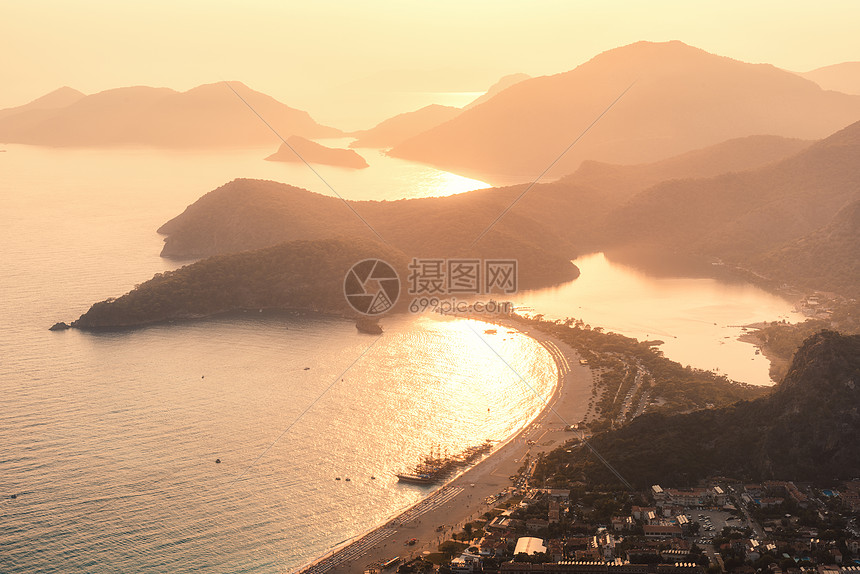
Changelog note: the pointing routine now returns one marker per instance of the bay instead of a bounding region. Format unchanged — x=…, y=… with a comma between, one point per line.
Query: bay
x=109, y=440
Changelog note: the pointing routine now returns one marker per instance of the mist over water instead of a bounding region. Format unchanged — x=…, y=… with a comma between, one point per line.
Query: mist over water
x=109, y=440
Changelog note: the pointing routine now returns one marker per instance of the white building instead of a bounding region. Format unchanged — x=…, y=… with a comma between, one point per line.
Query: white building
x=529, y=545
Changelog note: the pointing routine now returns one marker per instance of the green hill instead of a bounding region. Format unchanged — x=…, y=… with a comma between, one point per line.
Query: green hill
x=306, y=275
x=741, y=216
x=825, y=260
x=805, y=430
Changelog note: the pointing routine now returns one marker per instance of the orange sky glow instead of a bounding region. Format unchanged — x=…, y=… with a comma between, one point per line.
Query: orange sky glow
x=314, y=55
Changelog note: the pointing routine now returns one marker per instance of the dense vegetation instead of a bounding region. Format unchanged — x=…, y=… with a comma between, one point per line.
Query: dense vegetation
x=250, y=214
x=779, y=222
x=305, y=275
x=825, y=259
x=805, y=430
x=663, y=384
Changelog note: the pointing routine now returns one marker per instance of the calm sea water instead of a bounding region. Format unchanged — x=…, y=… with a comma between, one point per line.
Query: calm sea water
x=109, y=440
x=699, y=320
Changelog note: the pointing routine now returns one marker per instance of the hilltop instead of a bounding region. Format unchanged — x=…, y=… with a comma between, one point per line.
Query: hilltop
x=680, y=98
x=306, y=275
x=59, y=98
x=739, y=217
x=805, y=430
x=252, y=214
x=551, y=224
x=844, y=77
x=210, y=115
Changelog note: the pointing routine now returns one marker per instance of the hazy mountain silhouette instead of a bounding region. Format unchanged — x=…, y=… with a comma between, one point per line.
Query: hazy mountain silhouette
x=806, y=429
x=503, y=84
x=249, y=214
x=252, y=214
x=550, y=225
x=844, y=77
x=743, y=216
x=402, y=127
x=206, y=116
x=681, y=98
x=59, y=98
x=313, y=152
x=740, y=216
x=395, y=130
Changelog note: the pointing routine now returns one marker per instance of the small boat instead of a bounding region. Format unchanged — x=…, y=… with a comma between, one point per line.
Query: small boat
x=368, y=326
x=415, y=478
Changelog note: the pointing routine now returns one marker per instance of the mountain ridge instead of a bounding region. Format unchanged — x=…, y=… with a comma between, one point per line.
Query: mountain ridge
x=679, y=98
x=805, y=430
x=210, y=115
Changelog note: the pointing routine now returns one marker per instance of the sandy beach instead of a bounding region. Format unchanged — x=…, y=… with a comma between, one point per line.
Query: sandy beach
x=464, y=499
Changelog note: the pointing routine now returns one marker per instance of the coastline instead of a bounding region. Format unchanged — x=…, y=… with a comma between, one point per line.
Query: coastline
x=463, y=498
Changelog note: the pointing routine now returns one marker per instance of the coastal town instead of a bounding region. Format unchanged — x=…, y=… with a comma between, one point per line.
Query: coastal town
x=518, y=511
x=725, y=525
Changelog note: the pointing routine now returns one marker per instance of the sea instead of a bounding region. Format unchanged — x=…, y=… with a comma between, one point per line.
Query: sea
x=109, y=442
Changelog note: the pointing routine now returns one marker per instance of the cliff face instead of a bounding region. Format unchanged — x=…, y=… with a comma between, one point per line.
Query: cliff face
x=814, y=421
x=805, y=430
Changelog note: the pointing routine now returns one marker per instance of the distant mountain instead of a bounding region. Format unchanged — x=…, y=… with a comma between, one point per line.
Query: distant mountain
x=313, y=152
x=741, y=216
x=680, y=98
x=398, y=129
x=561, y=218
x=805, y=430
x=503, y=84
x=252, y=214
x=735, y=155
x=843, y=77
x=59, y=98
x=206, y=116
x=582, y=203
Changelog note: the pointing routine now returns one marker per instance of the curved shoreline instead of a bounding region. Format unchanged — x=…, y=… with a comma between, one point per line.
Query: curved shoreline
x=567, y=404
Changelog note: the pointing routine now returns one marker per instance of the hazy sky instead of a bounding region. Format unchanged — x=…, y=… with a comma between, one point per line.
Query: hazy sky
x=311, y=54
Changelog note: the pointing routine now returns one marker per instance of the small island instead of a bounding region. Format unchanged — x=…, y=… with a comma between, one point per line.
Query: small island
x=313, y=152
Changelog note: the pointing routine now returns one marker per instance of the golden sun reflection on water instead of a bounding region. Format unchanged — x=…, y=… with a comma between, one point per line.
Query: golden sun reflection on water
x=443, y=183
